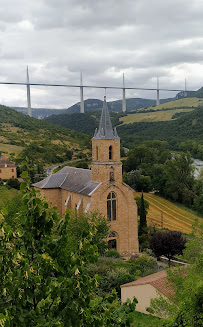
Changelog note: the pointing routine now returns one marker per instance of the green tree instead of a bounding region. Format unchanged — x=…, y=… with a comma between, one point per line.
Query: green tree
x=143, y=232
x=180, y=178
x=167, y=243
x=142, y=213
x=138, y=181
x=138, y=202
x=78, y=226
x=198, y=189
x=43, y=280
x=184, y=307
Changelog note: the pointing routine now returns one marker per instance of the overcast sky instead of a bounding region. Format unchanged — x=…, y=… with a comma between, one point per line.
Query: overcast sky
x=102, y=38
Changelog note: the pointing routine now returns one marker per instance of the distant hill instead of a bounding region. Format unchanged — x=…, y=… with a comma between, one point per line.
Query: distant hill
x=85, y=123
x=93, y=105
x=155, y=115
x=189, y=94
x=186, y=128
x=192, y=102
x=163, y=112
x=22, y=136
x=131, y=104
x=96, y=104
x=41, y=113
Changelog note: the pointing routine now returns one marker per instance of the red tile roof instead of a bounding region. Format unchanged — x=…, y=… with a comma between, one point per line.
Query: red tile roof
x=4, y=161
x=157, y=280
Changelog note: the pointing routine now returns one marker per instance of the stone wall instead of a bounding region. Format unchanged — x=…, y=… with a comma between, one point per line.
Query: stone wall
x=125, y=225
x=8, y=172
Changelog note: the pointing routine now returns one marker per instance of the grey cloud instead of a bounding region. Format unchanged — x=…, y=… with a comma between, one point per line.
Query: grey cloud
x=57, y=39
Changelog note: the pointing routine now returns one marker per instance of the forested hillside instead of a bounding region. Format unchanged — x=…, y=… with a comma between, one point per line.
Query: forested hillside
x=85, y=123
x=22, y=136
x=185, y=133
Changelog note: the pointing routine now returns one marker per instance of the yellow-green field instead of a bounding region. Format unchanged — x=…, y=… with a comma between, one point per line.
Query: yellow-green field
x=6, y=195
x=151, y=116
x=185, y=102
x=174, y=217
x=10, y=148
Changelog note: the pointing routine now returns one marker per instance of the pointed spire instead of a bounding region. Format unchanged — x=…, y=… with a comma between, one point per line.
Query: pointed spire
x=105, y=130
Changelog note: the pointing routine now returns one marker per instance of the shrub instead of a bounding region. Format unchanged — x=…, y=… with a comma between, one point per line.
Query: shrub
x=112, y=254
x=114, y=279
x=145, y=264
x=13, y=183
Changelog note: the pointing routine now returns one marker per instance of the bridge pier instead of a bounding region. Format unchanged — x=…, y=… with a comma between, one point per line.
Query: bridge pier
x=124, y=99
x=29, y=109
x=185, y=93
x=157, y=93
x=82, y=108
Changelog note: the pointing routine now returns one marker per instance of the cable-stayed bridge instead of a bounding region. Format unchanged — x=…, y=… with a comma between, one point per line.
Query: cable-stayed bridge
x=82, y=87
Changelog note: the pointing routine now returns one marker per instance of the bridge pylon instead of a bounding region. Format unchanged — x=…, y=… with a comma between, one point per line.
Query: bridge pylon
x=82, y=108
x=124, y=99
x=29, y=109
x=157, y=93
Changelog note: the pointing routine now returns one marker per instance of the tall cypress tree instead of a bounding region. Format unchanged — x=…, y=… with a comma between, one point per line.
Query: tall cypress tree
x=143, y=219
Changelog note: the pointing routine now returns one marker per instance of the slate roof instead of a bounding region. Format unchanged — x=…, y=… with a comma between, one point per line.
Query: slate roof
x=105, y=130
x=72, y=179
x=157, y=280
x=4, y=162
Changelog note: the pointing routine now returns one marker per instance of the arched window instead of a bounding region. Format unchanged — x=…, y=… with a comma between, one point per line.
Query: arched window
x=97, y=153
x=110, y=153
x=111, y=206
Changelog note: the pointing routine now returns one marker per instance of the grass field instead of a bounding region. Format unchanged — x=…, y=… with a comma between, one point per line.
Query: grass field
x=142, y=320
x=10, y=148
x=151, y=116
x=174, y=217
x=6, y=195
x=185, y=102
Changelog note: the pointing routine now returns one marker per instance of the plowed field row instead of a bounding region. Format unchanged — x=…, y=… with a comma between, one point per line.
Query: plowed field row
x=163, y=213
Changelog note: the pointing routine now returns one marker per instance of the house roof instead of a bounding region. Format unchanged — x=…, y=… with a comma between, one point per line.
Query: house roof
x=4, y=162
x=157, y=280
x=105, y=130
x=72, y=179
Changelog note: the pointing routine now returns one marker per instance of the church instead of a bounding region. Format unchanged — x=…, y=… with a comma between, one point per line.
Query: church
x=100, y=189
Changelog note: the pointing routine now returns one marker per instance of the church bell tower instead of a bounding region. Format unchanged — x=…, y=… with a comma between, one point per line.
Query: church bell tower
x=106, y=164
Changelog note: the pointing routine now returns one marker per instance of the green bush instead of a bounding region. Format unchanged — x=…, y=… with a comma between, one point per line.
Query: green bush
x=145, y=264
x=13, y=183
x=101, y=268
x=112, y=254
x=114, y=279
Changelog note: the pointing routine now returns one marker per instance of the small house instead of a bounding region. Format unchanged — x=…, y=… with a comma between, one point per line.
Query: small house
x=7, y=169
x=145, y=289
